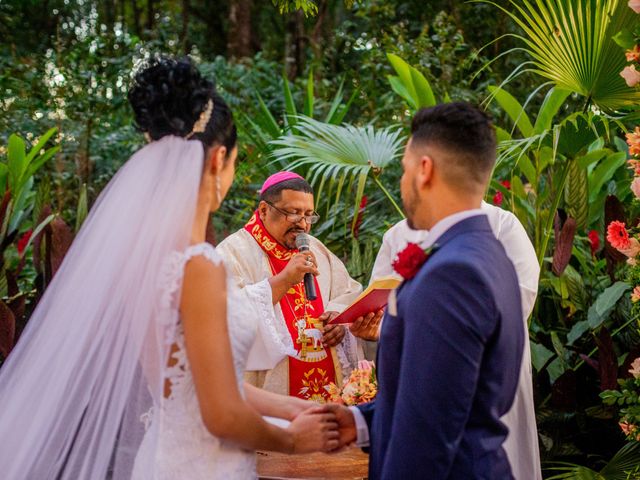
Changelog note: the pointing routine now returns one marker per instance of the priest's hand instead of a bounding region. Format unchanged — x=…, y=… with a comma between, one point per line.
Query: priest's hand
x=333, y=334
x=368, y=327
x=300, y=264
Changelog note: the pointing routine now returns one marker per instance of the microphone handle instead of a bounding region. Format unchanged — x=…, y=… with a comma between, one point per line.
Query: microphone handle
x=309, y=287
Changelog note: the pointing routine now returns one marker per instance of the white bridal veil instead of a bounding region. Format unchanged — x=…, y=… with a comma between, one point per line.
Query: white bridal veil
x=91, y=361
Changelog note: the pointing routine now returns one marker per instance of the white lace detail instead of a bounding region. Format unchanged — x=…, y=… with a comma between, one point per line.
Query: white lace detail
x=172, y=270
x=185, y=447
x=261, y=294
x=347, y=354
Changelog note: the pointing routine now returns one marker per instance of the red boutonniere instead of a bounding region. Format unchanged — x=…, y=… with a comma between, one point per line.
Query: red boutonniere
x=410, y=260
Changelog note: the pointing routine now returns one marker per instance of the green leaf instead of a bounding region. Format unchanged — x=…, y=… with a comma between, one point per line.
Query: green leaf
x=401, y=89
x=515, y=111
x=289, y=104
x=577, y=331
x=540, y=355
x=604, y=172
x=576, y=194
x=40, y=145
x=16, y=162
x=403, y=70
x=552, y=103
x=625, y=39
x=570, y=43
x=83, y=208
x=586, y=160
x=600, y=310
x=309, y=99
x=423, y=89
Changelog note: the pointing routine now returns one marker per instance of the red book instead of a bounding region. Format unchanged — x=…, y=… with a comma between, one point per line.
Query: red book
x=374, y=298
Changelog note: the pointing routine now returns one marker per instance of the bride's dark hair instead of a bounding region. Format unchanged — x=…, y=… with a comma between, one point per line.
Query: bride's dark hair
x=168, y=95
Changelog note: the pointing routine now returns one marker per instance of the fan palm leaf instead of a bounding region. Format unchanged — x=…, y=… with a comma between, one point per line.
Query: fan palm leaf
x=623, y=466
x=571, y=43
x=339, y=155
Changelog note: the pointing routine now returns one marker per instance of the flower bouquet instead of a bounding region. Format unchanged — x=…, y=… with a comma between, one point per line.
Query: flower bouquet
x=360, y=387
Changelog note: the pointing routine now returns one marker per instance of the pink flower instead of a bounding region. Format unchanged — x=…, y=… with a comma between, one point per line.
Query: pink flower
x=627, y=428
x=630, y=75
x=618, y=236
x=633, y=249
x=635, y=366
x=634, y=5
x=594, y=241
x=497, y=199
x=633, y=54
x=635, y=187
x=633, y=140
x=635, y=296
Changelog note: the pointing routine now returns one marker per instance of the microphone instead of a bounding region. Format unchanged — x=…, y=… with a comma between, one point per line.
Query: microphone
x=302, y=243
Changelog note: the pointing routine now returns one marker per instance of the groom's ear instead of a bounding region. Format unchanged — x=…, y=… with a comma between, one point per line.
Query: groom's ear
x=425, y=170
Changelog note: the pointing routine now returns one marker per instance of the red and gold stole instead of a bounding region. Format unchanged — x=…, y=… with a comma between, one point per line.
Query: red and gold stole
x=313, y=368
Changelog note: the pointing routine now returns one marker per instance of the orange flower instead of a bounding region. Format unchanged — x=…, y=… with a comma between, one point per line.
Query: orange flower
x=633, y=54
x=633, y=140
x=635, y=295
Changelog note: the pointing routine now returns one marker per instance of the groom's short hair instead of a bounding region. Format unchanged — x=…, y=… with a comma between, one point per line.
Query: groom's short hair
x=465, y=138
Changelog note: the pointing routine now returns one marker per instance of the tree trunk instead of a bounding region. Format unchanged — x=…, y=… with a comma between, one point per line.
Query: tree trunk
x=239, y=37
x=295, y=43
x=109, y=14
x=136, y=17
x=150, y=14
x=184, y=34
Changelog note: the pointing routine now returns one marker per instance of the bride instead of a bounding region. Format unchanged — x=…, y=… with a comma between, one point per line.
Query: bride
x=131, y=365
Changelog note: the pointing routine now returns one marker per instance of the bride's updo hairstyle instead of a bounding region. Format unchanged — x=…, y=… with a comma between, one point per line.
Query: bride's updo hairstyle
x=169, y=96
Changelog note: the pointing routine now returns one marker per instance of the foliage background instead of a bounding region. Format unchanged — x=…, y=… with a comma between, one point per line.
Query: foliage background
x=67, y=64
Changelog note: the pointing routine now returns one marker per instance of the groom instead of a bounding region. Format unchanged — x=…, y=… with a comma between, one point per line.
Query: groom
x=452, y=338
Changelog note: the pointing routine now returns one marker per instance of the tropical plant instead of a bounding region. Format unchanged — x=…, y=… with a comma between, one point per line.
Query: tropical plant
x=571, y=43
x=625, y=465
x=341, y=156
x=16, y=209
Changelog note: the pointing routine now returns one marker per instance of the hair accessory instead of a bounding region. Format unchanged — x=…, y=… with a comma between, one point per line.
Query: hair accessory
x=203, y=120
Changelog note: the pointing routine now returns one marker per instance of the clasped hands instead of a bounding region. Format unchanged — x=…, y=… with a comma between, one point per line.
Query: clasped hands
x=326, y=428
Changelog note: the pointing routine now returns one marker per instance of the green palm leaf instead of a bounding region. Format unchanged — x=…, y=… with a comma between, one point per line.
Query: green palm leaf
x=339, y=155
x=623, y=466
x=571, y=43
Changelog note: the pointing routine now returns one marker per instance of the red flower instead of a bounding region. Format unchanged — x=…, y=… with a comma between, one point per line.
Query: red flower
x=24, y=240
x=409, y=261
x=506, y=184
x=594, y=241
x=618, y=236
x=497, y=199
x=359, y=218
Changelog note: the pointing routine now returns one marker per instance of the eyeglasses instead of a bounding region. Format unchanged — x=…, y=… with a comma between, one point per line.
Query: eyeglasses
x=294, y=217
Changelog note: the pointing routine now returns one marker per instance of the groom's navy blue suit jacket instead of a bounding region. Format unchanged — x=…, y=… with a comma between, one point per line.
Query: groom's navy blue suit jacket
x=448, y=364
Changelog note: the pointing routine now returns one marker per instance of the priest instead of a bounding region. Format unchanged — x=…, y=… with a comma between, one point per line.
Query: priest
x=300, y=354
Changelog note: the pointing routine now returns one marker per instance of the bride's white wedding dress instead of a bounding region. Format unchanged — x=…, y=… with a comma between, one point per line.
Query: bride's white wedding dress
x=185, y=449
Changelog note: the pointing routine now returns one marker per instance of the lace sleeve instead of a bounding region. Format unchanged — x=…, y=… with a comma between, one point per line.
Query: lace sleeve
x=273, y=342
x=173, y=271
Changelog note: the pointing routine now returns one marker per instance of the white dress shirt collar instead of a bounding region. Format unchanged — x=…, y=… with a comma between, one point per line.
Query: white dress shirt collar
x=446, y=223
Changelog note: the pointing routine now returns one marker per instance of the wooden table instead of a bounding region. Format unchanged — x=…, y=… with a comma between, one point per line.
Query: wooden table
x=350, y=464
